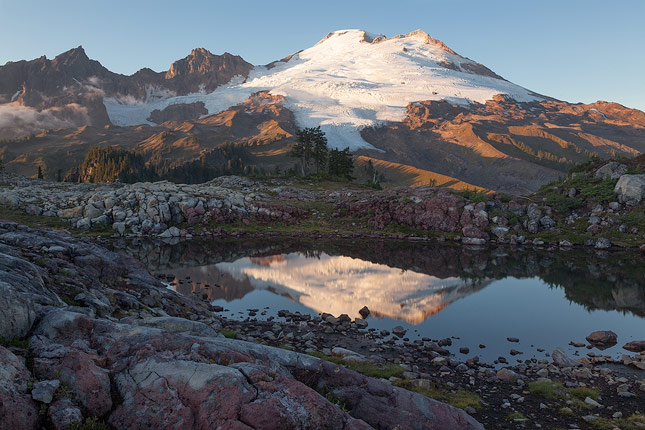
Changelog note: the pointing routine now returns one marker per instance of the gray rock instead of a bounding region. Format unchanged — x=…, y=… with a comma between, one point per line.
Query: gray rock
x=631, y=188
x=119, y=227
x=22, y=289
x=500, y=232
x=592, y=402
x=43, y=391
x=533, y=212
x=611, y=170
x=33, y=210
x=178, y=325
x=547, y=222
x=602, y=243
x=360, y=323
x=63, y=413
x=561, y=359
x=507, y=375
x=92, y=211
x=84, y=224
x=532, y=226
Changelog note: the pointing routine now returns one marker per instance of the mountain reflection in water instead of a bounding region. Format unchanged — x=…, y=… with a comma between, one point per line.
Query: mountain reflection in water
x=401, y=280
x=343, y=285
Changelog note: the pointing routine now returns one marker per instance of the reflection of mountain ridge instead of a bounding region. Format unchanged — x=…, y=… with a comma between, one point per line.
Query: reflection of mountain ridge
x=343, y=285
x=597, y=280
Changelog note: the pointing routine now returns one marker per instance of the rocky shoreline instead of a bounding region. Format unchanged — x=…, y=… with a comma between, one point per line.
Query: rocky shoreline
x=234, y=206
x=90, y=333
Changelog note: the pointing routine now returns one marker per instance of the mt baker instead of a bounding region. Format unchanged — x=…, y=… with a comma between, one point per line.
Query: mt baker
x=422, y=113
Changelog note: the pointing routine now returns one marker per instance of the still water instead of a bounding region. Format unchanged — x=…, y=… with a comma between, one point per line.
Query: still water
x=479, y=297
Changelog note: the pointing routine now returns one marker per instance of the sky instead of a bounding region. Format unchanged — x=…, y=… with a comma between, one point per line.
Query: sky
x=573, y=50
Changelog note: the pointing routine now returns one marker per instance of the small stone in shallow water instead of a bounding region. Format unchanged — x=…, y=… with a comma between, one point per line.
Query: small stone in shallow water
x=512, y=339
x=364, y=312
x=399, y=331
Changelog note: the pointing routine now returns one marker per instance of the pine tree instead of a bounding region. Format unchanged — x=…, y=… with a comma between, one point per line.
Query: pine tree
x=40, y=172
x=341, y=163
x=311, y=143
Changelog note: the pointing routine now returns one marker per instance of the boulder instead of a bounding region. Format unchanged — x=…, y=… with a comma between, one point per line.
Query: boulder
x=602, y=243
x=602, y=339
x=547, y=222
x=499, y=232
x=63, y=413
x=631, y=188
x=364, y=312
x=611, y=170
x=119, y=227
x=507, y=375
x=561, y=359
x=43, y=391
x=635, y=346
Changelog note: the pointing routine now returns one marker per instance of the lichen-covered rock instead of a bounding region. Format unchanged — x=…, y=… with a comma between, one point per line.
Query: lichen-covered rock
x=177, y=380
x=17, y=409
x=611, y=170
x=63, y=413
x=631, y=189
x=22, y=290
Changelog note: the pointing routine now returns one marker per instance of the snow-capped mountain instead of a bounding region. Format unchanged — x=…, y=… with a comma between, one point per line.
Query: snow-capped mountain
x=349, y=80
x=416, y=109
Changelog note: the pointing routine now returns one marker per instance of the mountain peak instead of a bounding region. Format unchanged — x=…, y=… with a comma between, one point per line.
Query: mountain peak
x=199, y=61
x=373, y=38
x=200, y=52
x=73, y=56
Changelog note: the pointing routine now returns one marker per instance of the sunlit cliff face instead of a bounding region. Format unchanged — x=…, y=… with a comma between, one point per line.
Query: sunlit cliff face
x=337, y=285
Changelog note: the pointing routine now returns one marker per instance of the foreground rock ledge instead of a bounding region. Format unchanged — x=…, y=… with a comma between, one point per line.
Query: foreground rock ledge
x=170, y=372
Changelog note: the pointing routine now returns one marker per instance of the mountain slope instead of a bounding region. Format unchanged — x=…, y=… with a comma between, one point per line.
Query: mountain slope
x=425, y=112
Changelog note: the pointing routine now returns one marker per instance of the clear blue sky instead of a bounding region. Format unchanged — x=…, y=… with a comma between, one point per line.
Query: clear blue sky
x=575, y=50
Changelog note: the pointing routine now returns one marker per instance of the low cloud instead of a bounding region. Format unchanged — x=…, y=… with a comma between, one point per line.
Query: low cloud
x=18, y=121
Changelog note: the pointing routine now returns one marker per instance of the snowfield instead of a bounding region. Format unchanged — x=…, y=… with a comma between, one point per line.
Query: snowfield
x=345, y=83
